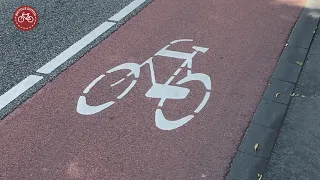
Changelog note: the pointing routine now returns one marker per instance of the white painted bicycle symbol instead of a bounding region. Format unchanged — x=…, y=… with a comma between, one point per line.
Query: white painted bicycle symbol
x=25, y=16
x=162, y=91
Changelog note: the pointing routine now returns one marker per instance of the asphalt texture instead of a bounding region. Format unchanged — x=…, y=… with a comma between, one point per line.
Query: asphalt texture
x=296, y=155
x=45, y=138
x=61, y=24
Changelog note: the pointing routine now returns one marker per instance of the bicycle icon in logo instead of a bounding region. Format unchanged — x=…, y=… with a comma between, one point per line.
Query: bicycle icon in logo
x=25, y=16
x=161, y=91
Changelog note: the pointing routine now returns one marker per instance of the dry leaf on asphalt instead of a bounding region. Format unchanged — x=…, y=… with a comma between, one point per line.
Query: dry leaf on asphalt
x=277, y=94
x=260, y=177
x=256, y=147
x=299, y=63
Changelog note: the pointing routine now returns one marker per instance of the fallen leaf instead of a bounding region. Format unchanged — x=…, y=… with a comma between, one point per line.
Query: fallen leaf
x=277, y=94
x=256, y=147
x=299, y=63
x=260, y=177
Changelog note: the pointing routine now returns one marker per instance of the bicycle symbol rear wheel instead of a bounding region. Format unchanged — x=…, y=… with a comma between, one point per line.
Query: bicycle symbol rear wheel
x=20, y=19
x=85, y=109
x=165, y=124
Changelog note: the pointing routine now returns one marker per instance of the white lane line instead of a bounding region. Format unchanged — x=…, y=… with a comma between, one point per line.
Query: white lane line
x=126, y=10
x=75, y=48
x=31, y=80
x=18, y=89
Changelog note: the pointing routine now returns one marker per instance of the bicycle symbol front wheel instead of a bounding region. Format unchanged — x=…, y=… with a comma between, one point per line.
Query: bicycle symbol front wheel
x=30, y=19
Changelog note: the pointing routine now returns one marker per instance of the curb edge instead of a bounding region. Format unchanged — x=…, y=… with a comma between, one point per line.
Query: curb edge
x=270, y=113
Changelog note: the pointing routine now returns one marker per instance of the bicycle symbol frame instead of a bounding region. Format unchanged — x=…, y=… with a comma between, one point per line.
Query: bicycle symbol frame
x=161, y=91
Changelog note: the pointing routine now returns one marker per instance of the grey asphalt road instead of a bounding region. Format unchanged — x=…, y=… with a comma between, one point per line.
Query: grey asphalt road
x=61, y=24
x=296, y=155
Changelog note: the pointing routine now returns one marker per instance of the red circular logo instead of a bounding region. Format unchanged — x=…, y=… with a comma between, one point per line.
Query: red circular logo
x=25, y=18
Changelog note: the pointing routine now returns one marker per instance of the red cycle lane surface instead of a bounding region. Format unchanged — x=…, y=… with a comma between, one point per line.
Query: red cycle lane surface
x=46, y=138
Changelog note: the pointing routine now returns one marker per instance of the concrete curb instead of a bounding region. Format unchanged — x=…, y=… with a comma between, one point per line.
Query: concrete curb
x=271, y=111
